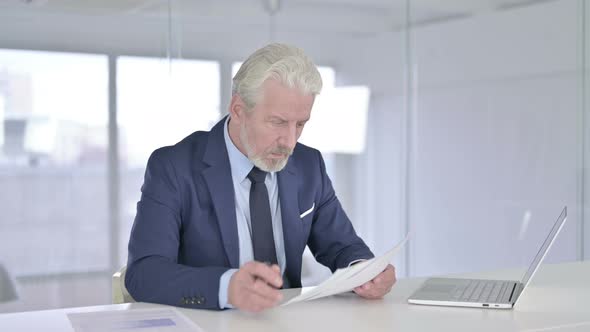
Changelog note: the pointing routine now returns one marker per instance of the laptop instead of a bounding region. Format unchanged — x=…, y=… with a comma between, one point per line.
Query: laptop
x=479, y=293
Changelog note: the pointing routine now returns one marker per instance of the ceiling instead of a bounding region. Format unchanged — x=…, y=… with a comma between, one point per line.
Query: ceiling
x=361, y=16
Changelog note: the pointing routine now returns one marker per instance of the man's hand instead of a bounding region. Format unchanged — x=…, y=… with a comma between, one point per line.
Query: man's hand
x=379, y=286
x=254, y=287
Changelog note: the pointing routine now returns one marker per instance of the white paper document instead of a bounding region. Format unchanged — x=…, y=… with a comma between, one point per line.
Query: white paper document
x=148, y=320
x=344, y=280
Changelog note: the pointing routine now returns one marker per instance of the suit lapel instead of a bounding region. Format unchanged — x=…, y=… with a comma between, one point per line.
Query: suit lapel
x=219, y=181
x=292, y=226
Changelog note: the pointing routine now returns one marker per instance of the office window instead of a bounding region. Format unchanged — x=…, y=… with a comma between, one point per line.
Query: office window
x=53, y=174
x=53, y=147
x=159, y=103
x=342, y=112
x=2, y=112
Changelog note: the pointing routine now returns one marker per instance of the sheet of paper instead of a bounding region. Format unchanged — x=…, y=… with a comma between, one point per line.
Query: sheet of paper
x=344, y=280
x=308, y=292
x=152, y=320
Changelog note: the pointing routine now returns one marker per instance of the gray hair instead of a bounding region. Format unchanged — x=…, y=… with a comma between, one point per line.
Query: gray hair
x=284, y=63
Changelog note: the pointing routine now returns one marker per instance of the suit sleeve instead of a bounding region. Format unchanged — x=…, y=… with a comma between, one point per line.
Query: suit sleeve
x=333, y=240
x=153, y=273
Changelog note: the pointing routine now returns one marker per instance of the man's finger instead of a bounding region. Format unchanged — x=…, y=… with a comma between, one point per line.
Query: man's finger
x=368, y=294
x=387, y=276
x=261, y=288
x=262, y=301
x=268, y=274
x=257, y=303
x=276, y=268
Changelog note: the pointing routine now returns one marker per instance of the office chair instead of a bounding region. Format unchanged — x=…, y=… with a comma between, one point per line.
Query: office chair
x=7, y=288
x=120, y=293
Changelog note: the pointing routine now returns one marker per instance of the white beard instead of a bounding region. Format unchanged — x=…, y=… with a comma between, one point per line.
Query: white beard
x=275, y=165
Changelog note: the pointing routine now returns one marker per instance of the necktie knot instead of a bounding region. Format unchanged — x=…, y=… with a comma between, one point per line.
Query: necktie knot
x=257, y=175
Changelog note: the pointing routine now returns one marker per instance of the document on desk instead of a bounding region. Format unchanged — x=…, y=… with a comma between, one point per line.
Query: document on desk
x=344, y=280
x=152, y=320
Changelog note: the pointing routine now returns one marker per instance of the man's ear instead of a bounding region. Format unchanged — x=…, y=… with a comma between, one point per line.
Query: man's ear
x=237, y=108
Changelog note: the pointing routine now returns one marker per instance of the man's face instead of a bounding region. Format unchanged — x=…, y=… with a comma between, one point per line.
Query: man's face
x=269, y=132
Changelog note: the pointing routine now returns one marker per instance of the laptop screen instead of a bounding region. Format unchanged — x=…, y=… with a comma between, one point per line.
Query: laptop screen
x=545, y=247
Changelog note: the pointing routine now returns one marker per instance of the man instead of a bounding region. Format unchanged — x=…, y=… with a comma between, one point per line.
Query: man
x=225, y=215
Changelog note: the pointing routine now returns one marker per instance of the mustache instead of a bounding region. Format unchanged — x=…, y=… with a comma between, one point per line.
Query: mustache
x=282, y=150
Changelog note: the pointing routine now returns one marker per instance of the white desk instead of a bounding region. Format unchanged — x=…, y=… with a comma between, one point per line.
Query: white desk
x=558, y=300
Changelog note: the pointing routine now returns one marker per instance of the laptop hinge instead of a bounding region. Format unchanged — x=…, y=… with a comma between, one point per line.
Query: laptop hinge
x=515, y=291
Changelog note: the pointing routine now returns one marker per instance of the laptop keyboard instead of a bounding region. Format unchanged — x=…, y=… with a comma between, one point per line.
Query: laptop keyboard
x=482, y=291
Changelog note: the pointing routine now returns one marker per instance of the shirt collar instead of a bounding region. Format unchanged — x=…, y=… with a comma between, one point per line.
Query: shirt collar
x=239, y=163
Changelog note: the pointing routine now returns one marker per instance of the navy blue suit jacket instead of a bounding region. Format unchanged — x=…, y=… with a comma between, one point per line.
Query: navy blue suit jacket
x=185, y=234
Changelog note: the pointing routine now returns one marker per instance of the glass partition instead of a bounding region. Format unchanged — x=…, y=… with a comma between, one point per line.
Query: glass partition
x=496, y=138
